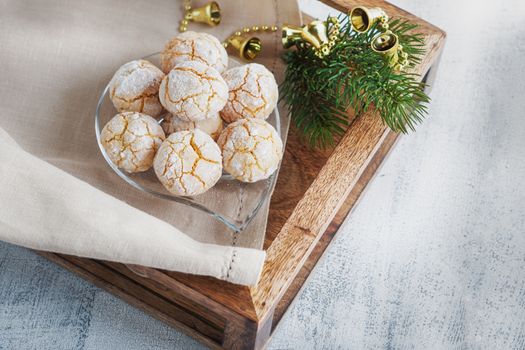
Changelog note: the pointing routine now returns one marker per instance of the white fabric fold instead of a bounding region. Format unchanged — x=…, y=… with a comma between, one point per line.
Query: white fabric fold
x=34, y=215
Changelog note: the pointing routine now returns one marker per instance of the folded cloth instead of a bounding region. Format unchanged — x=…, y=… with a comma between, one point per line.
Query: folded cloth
x=34, y=214
x=56, y=57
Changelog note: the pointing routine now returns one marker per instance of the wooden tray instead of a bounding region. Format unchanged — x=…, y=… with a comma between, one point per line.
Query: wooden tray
x=314, y=193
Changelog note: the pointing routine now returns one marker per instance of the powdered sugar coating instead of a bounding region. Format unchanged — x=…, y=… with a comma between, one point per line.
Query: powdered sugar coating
x=131, y=140
x=252, y=92
x=251, y=149
x=211, y=126
x=193, y=91
x=135, y=88
x=192, y=46
x=188, y=163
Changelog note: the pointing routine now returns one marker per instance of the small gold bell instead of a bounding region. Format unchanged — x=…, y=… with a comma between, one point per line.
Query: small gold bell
x=314, y=33
x=387, y=44
x=209, y=14
x=363, y=18
x=248, y=48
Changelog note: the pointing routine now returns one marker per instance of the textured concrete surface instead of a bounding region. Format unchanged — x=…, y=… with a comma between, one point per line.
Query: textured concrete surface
x=433, y=257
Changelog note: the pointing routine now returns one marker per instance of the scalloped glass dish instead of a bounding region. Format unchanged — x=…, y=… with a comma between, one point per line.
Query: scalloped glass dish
x=216, y=202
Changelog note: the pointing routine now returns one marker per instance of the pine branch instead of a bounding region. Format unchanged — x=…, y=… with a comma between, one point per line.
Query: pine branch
x=319, y=92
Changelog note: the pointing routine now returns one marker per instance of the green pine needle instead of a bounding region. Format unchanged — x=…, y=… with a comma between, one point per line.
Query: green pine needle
x=319, y=92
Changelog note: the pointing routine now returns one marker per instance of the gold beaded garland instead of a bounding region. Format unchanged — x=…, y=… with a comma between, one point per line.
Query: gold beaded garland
x=321, y=51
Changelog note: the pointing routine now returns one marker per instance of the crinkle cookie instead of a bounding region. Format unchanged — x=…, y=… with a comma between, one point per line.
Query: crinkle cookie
x=131, y=140
x=188, y=163
x=193, y=91
x=135, y=88
x=251, y=149
x=253, y=92
x=192, y=46
x=211, y=126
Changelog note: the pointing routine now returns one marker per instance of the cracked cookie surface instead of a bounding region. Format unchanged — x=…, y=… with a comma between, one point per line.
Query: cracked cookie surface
x=131, y=140
x=252, y=92
x=193, y=91
x=192, y=46
x=251, y=149
x=188, y=163
x=135, y=88
x=211, y=126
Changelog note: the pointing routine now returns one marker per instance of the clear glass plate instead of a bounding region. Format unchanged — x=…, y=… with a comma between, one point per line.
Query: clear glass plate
x=216, y=202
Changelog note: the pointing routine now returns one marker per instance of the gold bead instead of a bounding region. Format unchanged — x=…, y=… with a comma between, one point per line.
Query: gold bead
x=182, y=28
x=274, y=28
x=255, y=28
x=264, y=27
x=237, y=33
x=188, y=16
x=184, y=22
x=225, y=44
x=187, y=7
x=246, y=29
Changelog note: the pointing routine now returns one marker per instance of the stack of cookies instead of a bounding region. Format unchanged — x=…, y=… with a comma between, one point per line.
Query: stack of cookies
x=212, y=118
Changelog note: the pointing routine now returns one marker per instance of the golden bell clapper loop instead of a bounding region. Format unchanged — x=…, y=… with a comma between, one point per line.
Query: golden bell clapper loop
x=209, y=14
x=248, y=48
x=363, y=18
x=387, y=44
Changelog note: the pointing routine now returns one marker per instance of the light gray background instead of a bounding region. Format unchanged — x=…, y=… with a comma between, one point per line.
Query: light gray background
x=433, y=256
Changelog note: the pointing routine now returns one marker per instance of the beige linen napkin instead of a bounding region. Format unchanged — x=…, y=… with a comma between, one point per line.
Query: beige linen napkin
x=55, y=59
x=96, y=225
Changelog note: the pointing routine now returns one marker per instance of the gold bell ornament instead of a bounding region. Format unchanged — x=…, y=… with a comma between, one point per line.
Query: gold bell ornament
x=248, y=48
x=363, y=18
x=387, y=44
x=209, y=14
x=315, y=34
